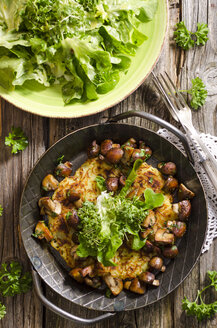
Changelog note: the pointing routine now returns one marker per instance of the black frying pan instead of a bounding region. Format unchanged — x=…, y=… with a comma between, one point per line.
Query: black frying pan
x=74, y=146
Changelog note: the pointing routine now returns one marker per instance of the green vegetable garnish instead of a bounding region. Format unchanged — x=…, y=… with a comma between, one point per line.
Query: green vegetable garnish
x=186, y=39
x=202, y=310
x=100, y=182
x=1, y=210
x=198, y=93
x=2, y=311
x=16, y=139
x=68, y=214
x=60, y=159
x=104, y=226
x=13, y=281
x=81, y=45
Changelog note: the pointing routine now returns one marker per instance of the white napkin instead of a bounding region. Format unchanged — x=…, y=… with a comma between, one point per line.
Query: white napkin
x=211, y=143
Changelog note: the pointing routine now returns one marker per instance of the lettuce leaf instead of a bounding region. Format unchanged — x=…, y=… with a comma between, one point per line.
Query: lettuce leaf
x=84, y=46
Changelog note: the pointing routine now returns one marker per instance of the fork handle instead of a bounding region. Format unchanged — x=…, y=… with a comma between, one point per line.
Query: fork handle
x=209, y=163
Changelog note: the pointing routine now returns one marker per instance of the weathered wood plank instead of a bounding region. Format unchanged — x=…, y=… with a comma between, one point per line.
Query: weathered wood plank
x=22, y=311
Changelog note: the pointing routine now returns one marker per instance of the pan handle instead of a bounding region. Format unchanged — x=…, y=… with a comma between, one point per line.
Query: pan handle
x=60, y=312
x=159, y=121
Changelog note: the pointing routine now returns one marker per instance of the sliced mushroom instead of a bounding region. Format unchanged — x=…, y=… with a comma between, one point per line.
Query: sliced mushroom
x=127, y=284
x=105, y=146
x=64, y=169
x=147, y=277
x=147, y=233
x=78, y=203
x=170, y=252
x=51, y=207
x=114, y=284
x=151, y=248
x=150, y=220
x=93, y=150
x=94, y=282
x=122, y=180
x=185, y=193
x=170, y=184
x=137, y=286
x=112, y=184
x=177, y=227
x=164, y=237
x=76, y=274
x=156, y=263
x=128, y=151
x=42, y=231
x=73, y=195
x=87, y=271
x=50, y=183
x=156, y=283
x=168, y=168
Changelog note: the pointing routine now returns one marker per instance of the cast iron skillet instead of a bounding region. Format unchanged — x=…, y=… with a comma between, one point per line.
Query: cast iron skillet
x=49, y=268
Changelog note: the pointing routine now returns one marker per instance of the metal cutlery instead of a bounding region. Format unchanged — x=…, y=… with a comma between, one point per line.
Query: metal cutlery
x=181, y=112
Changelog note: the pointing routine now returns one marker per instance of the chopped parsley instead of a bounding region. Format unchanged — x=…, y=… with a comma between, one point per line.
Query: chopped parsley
x=68, y=214
x=198, y=93
x=17, y=140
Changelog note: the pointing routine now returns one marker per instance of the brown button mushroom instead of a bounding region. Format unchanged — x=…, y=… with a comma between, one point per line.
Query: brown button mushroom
x=114, y=284
x=184, y=210
x=105, y=146
x=50, y=183
x=170, y=252
x=128, y=151
x=72, y=218
x=64, y=169
x=127, y=284
x=164, y=237
x=73, y=195
x=42, y=231
x=76, y=274
x=156, y=263
x=147, y=277
x=78, y=203
x=178, y=228
x=185, y=193
x=112, y=184
x=136, y=286
x=93, y=150
x=170, y=184
x=114, y=155
x=168, y=168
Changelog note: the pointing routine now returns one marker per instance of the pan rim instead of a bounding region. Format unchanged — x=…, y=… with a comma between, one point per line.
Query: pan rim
x=148, y=130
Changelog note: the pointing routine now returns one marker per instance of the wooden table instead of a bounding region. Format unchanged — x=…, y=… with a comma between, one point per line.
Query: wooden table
x=25, y=311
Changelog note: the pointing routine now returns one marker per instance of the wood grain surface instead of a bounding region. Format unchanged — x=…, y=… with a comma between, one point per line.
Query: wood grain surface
x=25, y=311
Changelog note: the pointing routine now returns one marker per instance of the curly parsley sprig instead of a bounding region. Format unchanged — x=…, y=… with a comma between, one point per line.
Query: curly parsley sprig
x=17, y=140
x=202, y=310
x=1, y=210
x=187, y=39
x=2, y=311
x=198, y=93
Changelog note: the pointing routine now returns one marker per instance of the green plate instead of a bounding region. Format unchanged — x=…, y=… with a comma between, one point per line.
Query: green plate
x=39, y=100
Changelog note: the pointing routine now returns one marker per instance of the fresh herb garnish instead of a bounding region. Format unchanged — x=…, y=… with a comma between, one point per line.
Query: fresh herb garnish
x=198, y=308
x=198, y=93
x=37, y=234
x=100, y=182
x=2, y=311
x=68, y=214
x=13, y=281
x=17, y=140
x=186, y=39
x=1, y=210
x=60, y=159
x=131, y=177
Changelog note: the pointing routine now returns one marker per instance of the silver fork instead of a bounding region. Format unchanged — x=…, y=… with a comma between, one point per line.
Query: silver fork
x=180, y=111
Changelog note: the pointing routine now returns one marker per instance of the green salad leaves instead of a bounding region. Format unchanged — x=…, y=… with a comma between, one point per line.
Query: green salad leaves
x=104, y=226
x=81, y=45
